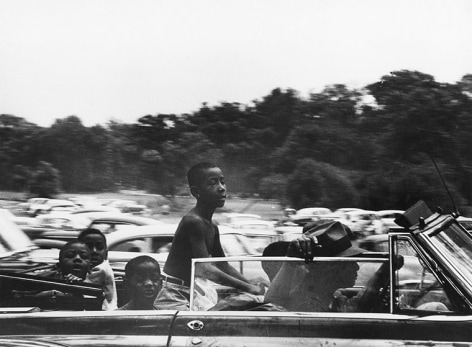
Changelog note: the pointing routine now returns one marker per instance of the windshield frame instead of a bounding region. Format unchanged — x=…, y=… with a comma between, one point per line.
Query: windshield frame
x=433, y=238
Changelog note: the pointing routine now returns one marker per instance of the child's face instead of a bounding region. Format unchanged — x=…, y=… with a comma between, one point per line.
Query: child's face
x=145, y=283
x=212, y=189
x=98, y=251
x=75, y=260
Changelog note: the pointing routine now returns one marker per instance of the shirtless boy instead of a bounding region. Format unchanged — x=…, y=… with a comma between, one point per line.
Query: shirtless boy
x=198, y=237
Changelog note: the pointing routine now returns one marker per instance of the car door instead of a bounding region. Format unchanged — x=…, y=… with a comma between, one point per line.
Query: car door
x=314, y=329
x=258, y=323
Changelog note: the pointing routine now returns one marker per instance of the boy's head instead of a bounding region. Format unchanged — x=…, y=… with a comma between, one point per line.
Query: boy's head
x=74, y=258
x=97, y=243
x=207, y=184
x=143, y=279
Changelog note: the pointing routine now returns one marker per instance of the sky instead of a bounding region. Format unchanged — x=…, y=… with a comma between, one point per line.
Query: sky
x=104, y=60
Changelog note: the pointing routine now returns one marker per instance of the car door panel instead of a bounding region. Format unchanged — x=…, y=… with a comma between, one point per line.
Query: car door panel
x=277, y=329
x=117, y=328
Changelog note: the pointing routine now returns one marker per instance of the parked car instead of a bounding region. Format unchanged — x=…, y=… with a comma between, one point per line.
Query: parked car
x=375, y=243
x=306, y=215
x=130, y=206
x=363, y=223
x=30, y=205
x=55, y=222
x=155, y=240
x=343, y=210
x=388, y=217
x=96, y=208
x=52, y=205
x=103, y=221
x=259, y=232
x=431, y=305
x=231, y=218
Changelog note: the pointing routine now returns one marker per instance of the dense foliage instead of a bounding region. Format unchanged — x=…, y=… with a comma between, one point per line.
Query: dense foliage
x=370, y=148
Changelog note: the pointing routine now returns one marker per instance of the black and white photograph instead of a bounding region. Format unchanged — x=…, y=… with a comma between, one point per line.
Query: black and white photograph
x=235, y=173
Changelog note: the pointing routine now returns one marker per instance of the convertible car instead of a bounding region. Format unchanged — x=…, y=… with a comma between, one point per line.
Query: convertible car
x=418, y=293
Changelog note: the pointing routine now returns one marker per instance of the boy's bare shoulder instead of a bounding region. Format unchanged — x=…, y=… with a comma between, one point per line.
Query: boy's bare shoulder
x=192, y=221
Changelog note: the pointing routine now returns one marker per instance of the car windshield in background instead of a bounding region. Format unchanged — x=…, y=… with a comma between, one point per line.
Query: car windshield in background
x=12, y=239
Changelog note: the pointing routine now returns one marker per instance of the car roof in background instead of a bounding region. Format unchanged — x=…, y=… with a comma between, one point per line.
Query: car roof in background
x=142, y=230
x=94, y=209
x=60, y=214
x=313, y=210
x=252, y=222
x=61, y=202
x=387, y=212
x=110, y=216
x=347, y=209
x=361, y=212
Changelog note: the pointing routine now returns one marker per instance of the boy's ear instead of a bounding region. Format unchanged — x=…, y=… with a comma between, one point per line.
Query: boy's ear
x=195, y=191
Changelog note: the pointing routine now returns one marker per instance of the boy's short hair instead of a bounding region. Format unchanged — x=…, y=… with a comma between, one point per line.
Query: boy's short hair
x=132, y=265
x=67, y=245
x=91, y=231
x=195, y=173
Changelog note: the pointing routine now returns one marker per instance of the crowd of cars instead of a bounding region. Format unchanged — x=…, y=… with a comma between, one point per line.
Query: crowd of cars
x=361, y=222
x=426, y=298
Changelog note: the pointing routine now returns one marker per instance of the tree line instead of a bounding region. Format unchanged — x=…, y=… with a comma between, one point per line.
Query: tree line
x=372, y=147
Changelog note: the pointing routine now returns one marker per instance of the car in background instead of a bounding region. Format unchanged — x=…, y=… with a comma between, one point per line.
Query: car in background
x=260, y=232
x=55, y=222
x=158, y=239
x=374, y=243
x=363, y=223
x=103, y=221
x=343, y=210
x=388, y=217
x=155, y=241
x=30, y=205
x=291, y=227
x=233, y=217
x=309, y=214
x=62, y=221
x=130, y=206
x=96, y=208
x=52, y=205
x=85, y=201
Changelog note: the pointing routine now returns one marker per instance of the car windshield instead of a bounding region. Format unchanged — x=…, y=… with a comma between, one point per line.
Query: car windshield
x=325, y=285
x=455, y=246
x=12, y=239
